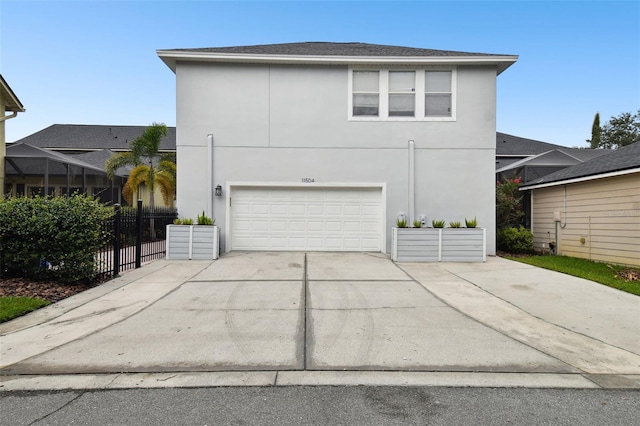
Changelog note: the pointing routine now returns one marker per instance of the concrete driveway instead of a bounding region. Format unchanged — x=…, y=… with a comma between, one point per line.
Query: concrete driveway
x=331, y=318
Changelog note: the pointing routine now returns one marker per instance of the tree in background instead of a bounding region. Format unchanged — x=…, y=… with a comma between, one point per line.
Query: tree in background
x=509, y=208
x=619, y=131
x=150, y=168
x=596, y=132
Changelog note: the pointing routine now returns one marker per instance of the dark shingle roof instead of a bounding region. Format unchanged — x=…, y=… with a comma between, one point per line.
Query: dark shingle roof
x=332, y=49
x=99, y=158
x=92, y=137
x=620, y=159
x=514, y=145
x=325, y=53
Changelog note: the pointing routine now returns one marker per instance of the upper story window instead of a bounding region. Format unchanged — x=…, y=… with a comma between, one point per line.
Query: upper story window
x=402, y=90
x=437, y=94
x=402, y=94
x=366, y=93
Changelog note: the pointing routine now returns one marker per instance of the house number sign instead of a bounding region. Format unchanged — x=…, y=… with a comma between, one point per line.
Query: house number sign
x=308, y=180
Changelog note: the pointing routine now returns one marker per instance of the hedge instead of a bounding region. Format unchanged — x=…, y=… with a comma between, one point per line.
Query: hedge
x=52, y=238
x=515, y=240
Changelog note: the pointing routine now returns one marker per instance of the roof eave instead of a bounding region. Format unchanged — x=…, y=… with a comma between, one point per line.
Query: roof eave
x=171, y=57
x=13, y=104
x=580, y=179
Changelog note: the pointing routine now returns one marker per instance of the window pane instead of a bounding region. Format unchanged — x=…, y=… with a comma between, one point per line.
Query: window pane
x=402, y=81
x=401, y=105
x=437, y=105
x=366, y=81
x=365, y=104
x=438, y=81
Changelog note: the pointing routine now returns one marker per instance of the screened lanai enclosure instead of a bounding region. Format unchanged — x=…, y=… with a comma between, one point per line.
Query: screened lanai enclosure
x=31, y=171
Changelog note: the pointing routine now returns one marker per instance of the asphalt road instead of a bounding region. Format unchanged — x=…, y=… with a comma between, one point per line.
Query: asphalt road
x=323, y=406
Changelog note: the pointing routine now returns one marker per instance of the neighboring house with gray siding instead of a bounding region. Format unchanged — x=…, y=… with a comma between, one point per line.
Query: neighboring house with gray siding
x=592, y=210
x=320, y=146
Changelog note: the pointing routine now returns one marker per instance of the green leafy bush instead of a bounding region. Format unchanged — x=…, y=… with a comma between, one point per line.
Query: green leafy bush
x=52, y=237
x=471, y=223
x=401, y=223
x=455, y=224
x=438, y=223
x=417, y=223
x=515, y=240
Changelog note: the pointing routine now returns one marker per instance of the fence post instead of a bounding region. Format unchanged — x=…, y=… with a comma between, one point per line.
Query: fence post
x=116, y=241
x=139, y=235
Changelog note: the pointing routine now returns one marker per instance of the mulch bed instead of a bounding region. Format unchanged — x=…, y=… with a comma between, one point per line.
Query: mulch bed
x=47, y=290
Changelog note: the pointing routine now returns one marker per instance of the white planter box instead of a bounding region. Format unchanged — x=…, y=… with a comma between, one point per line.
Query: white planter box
x=438, y=245
x=197, y=242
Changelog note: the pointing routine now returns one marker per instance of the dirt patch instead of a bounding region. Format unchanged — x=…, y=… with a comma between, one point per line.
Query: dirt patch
x=47, y=290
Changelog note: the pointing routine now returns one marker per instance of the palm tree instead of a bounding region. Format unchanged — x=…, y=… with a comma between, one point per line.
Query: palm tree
x=143, y=155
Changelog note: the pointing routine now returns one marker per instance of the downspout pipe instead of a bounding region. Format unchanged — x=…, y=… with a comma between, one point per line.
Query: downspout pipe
x=210, y=175
x=412, y=182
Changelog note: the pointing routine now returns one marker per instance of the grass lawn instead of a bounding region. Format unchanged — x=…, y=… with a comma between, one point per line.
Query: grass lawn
x=603, y=273
x=14, y=306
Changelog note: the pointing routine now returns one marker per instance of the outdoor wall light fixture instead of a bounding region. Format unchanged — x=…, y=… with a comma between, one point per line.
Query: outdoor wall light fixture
x=218, y=191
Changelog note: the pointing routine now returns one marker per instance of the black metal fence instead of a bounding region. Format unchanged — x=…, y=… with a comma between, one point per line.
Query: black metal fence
x=137, y=236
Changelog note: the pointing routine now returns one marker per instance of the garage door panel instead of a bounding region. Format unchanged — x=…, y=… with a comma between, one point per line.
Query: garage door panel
x=297, y=209
x=306, y=219
x=297, y=225
x=333, y=226
x=333, y=210
x=370, y=244
x=279, y=225
x=279, y=209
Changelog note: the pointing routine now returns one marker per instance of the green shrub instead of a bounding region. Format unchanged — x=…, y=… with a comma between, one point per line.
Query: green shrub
x=401, y=223
x=184, y=221
x=417, y=223
x=455, y=224
x=52, y=238
x=471, y=223
x=438, y=223
x=515, y=240
x=205, y=220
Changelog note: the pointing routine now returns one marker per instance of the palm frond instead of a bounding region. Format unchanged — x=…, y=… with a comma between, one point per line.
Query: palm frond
x=169, y=168
x=167, y=187
x=168, y=156
x=117, y=161
x=148, y=144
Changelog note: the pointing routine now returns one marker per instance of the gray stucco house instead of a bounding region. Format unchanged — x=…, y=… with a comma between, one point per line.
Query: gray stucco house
x=320, y=146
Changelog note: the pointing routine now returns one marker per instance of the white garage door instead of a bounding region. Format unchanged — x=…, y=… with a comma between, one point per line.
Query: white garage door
x=318, y=219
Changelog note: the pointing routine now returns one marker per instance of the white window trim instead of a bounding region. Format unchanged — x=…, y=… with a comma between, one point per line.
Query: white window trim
x=384, y=94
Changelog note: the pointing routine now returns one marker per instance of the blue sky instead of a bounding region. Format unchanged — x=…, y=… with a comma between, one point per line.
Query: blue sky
x=95, y=62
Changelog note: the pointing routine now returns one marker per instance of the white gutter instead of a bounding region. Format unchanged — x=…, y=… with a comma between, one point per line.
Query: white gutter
x=581, y=179
x=8, y=117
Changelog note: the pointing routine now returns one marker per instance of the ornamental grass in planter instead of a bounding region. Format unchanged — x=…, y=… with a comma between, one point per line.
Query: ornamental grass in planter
x=197, y=242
